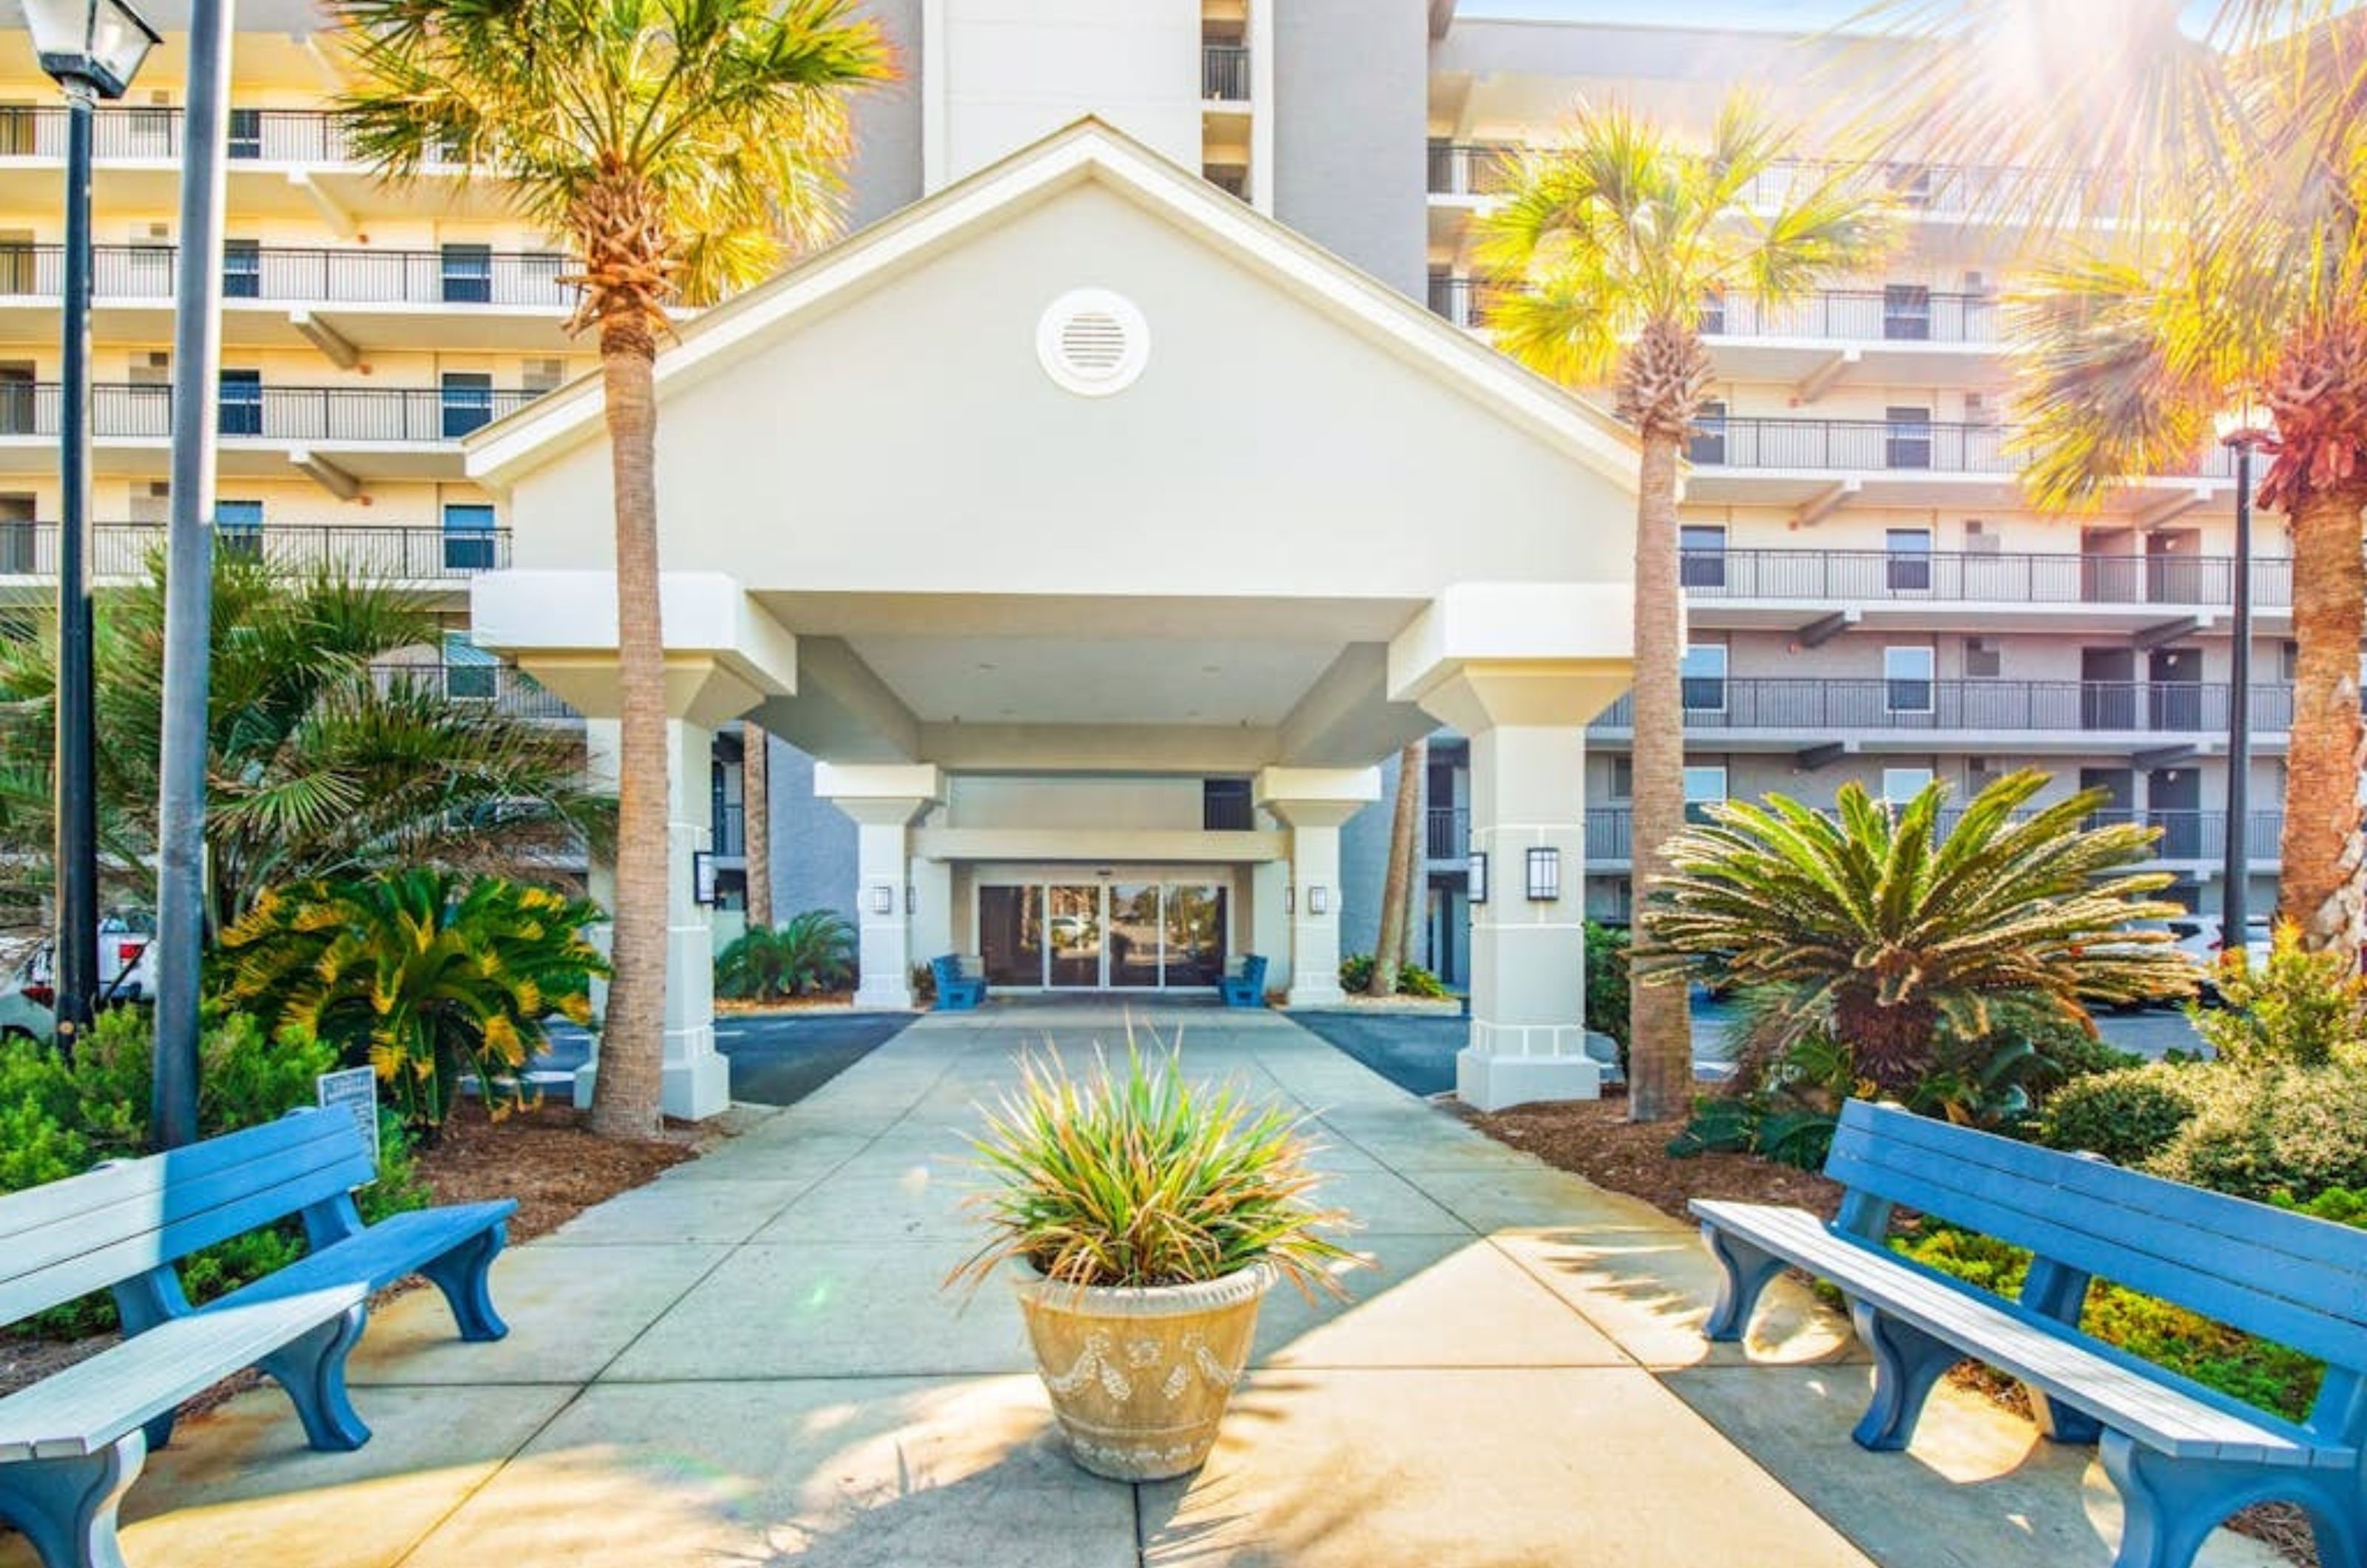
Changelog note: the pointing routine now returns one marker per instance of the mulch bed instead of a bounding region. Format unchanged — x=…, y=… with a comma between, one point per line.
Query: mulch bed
x=545, y=1157
x=1595, y=1140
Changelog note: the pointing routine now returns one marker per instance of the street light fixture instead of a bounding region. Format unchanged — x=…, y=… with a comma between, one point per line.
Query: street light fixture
x=91, y=48
x=2242, y=429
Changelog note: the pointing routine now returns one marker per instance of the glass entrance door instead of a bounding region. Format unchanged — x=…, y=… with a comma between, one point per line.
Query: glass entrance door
x=1073, y=922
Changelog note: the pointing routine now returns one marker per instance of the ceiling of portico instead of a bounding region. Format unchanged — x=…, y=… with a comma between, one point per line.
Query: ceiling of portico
x=1095, y=680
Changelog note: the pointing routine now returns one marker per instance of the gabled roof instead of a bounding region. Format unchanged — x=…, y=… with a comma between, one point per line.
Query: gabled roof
x=1088, y=150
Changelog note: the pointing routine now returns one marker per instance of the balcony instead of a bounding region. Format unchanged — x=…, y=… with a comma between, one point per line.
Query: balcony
x=1449, y=833
x=1224, y=74
x=730, y=827
x=1903, y=318
x=1851, y=577
x=2199, y=837
x=1607, y=836
x=462, y=280
x=395, y=554
x=489, y=683
x=1799, y=711
x=159, y=135
x=1470, y=168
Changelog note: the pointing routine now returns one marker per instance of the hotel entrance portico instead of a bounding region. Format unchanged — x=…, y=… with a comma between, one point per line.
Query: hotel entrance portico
x=1099, y=538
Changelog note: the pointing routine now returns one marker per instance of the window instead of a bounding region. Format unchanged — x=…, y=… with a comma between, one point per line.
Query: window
x=468, y=402
x=1900, y=786
x=242, y=269
x=1701, y=561
x=1911, y=183
x=541, y=374
x=1226, y=807
x=1911, y=559
x=1980, y=410
x=246, y=133
x=1979, y=538
x=468, y=275
x=1983, y=662
x=1979, y=774
x=1905, y=312
x=1908, y=444
x=470, y=674
x=468, y=537
x=1907, y=680
x=1708, y=443
x=241, y=402
x=238, y=528
x=2289, y=662
x=1711, y=323
x=1623, y=778
x=1704, y=787
x=1702, y=677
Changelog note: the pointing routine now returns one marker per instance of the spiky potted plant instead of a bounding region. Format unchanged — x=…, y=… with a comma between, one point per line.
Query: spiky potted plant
x=1143, y=1217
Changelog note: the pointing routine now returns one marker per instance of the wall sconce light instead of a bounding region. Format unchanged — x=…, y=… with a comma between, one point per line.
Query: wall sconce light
x=1475, y=876
x=702, y=877
x=1545, y=875
x=1289, y=899
x=1319, y=899
x=883, y=899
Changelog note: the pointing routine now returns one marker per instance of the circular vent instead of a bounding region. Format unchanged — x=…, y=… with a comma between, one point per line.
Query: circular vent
x=1092, y=341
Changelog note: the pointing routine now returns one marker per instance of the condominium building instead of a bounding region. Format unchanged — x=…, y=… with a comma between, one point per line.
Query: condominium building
x=1145, y=751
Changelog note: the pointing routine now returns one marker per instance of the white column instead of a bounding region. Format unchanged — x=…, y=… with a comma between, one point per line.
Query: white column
x=1312, y=803
x=931, y=883
x=600, y=773
x=697, y=1080
x=1268, y=930
x=884, y=801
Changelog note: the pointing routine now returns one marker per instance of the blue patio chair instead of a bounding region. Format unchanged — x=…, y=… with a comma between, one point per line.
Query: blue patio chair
x=956, y=992
x=1246, y=990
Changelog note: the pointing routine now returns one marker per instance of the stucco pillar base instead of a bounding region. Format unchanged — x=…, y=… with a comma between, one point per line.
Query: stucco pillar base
x=697, y=1082
x=1487, y=1080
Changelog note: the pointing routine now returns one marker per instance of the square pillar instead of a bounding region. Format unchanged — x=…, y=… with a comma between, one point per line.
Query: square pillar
x=884, y=801
x=1312, y=803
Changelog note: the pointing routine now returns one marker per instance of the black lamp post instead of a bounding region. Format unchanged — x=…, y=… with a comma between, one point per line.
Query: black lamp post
x=2243, y=430
x=91, y=48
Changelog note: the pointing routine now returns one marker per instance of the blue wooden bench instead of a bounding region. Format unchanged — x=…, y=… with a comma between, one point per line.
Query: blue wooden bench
x=956, y=992
x=2183, y=1456
x=71, y=1444
x=1246, y=990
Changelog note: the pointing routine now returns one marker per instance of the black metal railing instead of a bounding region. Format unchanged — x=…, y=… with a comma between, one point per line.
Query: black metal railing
x=501, y=686
x=1808, y=709
x=352, y=275
x=323, y=414
x=1844, y=576
x=1890, y=446
x=159, y=135
x=1871, y=315
x=1470, y=168
x=1607, y=834
x=1225, y=73
x=1448, y=835
x=2186, y=835
x=730, y=827
x=392, y=552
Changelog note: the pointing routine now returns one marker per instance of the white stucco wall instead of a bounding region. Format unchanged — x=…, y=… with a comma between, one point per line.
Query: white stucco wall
x=1009, y=72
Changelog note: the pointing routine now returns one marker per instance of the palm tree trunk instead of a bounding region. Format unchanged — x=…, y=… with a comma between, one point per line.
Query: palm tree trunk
x=1389, y=948
x=1661, y=1049
x=2320, y=882
x=625, y=1100
x=756, y=822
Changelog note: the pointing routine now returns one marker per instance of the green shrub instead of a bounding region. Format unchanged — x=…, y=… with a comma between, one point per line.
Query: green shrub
x=807, y=952
x=2297, y=1009
x=58, y=1119
x=2128, y=1115
x=2290, y=1130
x=2343, y=1205
x=1413, y=980
x=1606, y=984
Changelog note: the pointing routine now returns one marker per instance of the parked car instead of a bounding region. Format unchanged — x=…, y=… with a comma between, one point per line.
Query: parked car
x=2199, y=940
x=126, y=972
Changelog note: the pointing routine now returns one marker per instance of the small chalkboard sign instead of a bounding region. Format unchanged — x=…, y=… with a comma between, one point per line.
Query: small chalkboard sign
x=355, y=1088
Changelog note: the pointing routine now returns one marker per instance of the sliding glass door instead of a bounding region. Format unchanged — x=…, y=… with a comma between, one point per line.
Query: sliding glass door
x=1092, y=936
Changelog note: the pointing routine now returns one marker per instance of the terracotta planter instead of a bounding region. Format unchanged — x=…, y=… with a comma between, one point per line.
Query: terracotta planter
x=1139, y=1378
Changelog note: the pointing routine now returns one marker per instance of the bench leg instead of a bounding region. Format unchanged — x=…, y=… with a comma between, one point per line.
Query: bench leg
x=312, y=1370
x=2337, y=1519
x=463, y=1274
x=2170, y=1506
x=66, y=1506
x=1908, y=1363
x=1744, y=1270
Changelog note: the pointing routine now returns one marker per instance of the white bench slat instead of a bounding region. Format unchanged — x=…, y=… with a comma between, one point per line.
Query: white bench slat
x=2127, y=1395
x=88, y=1406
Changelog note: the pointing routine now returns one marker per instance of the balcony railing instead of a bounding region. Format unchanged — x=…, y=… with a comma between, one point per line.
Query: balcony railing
x=504, y=687
x=341, y=276
x=730, y=827
x=324, y=414
x=1225, y=73
x=158, y=135
x=1825, y=577
x=1942, y=189
x=2186, y=835
x=1449, y=836
x=1884, y=445
x=1856, y=316
x=1607, y=834
x=1808, y=709
x=390, y=554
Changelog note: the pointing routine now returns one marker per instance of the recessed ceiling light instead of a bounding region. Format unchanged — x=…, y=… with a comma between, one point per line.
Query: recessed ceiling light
x=1210, y=669
x=989, y=668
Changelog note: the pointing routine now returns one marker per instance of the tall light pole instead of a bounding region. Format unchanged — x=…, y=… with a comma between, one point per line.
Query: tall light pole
x=2242, y=430
x=91, y=48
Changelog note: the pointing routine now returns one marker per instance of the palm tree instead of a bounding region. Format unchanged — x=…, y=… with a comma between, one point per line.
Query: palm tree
x=1612, y=244
x=2245, y=285
x=332, y=751
x=1874, y=925
x=1390, y=944
x=811, y=951
x=756, y=821
x=684, y=147
x=424, y=975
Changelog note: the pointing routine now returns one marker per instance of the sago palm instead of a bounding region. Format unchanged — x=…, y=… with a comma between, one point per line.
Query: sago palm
x=812, y=950
x=1872, y=923
x=1611, y=243
x=2241, y=279
x=425, y=976
x=684, y=148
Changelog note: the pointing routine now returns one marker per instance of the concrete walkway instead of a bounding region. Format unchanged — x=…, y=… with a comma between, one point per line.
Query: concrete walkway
x=750, y=1363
